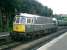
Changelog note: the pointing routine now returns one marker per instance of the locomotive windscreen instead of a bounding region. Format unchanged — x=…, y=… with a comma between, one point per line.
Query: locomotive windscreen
x=20, y=19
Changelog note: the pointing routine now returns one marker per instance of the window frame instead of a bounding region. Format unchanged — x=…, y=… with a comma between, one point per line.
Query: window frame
x=31, y=19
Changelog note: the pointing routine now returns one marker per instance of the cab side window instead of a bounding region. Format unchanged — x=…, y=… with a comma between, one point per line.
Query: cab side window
x=29, y=20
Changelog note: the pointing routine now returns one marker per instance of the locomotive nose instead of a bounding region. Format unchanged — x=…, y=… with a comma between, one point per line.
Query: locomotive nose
x=19, y=27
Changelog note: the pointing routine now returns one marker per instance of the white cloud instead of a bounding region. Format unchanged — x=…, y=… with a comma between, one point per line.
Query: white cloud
x=58, y=6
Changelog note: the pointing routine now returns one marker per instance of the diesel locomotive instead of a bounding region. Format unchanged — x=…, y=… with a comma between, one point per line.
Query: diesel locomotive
x=31, y=26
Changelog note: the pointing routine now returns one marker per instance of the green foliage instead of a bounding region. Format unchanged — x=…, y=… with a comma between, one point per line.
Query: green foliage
x=7, y=9
x=33, y=7
x=25, y=6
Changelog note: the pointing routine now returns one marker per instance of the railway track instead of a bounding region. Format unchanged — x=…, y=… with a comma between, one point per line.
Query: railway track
x=30, y=44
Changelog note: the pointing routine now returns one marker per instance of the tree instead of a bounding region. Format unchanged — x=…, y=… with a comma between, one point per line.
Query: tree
x=34, y=7
x=7, y=9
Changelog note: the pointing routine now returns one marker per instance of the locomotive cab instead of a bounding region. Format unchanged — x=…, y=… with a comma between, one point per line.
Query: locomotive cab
x=19, y=24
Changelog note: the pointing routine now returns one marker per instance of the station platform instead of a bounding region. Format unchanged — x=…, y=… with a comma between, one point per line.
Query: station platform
x=59, y=43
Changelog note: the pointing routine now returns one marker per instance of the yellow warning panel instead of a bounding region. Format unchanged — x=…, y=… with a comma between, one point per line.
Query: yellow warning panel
x=19, y=27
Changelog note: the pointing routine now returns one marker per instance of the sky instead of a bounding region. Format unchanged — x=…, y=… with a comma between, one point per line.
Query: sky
x=58, y=6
